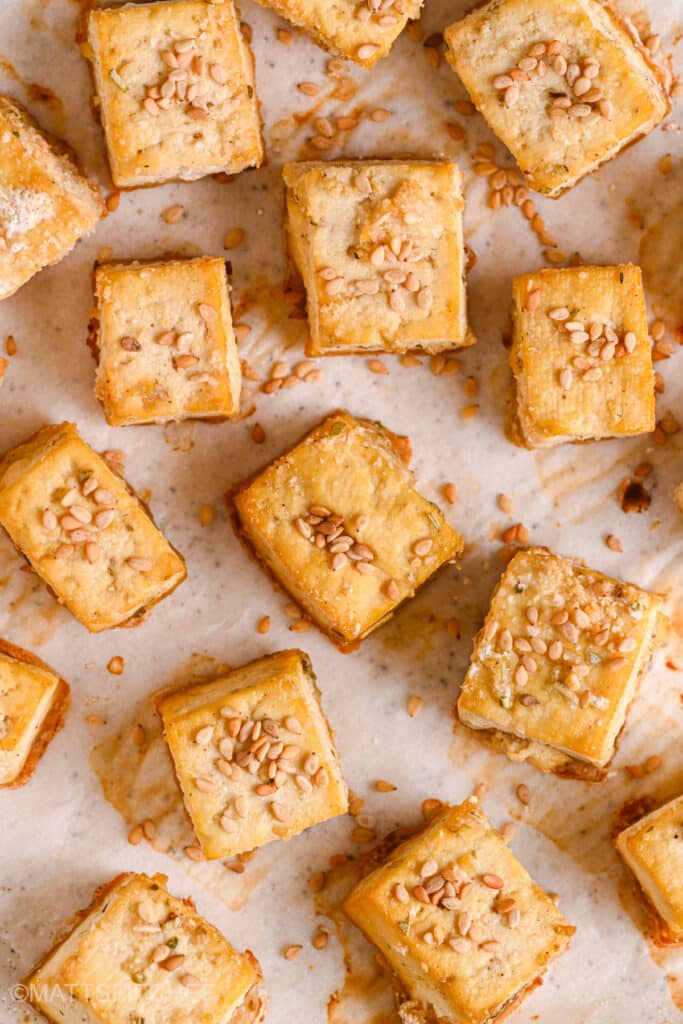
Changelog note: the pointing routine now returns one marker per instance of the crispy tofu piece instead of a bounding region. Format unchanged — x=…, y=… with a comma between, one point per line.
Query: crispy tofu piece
x=362, y=32
x=139, y=954
x=379, y=247
x=165, y=341
x=653, y=850
x=33, y=704
x=174, y=83
x=46, y=203
x=466, y=930
x=581, y=356
x=337, y=522
x=254, y=755
x=83, y=530
x=564, y=86
x=558, y=662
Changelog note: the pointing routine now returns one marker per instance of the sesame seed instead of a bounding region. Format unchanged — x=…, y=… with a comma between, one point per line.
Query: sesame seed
x=392, y=590
x=376, y=365
x=450, y=493
x=415, y=705
x=140, y=564
x=523, y=794
x=423, y=547
x=511, y=95
x=492, y=881
x=533, y=300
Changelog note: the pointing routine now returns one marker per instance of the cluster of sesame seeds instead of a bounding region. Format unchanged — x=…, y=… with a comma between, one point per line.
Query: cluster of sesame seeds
x=163, y=955
x=267, y=750
x=184, y=82
x=385, y=13
x=82, y=512
x=180, y=342
x=576, y=639
x=582, y=99
x=451, y=889
x=326, y=530
x=596, y=343
x=283, y=376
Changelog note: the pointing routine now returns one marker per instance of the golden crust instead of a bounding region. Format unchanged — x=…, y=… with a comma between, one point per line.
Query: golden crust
x=555, y=691
x=130, y=567
x=351, y=467
x=149, y=146
x=340, y=216
x=139, y=379
x=51, y=723
x=46, y=203
x=600, y=397
x=555, y=151
x=466, y=981
x=272, y=691
x=339, y=29
x=105, y=949
x=652, y=848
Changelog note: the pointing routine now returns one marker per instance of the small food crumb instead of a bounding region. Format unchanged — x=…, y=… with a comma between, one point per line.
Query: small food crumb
x=284, y=36
x=113, y=201
x=384, y=786
x=523, y=794
x=115, y=665
x=291, y=952
x=613, y=543
x=430, y=807
x=135, y=836
x=415, y=705
x=320, y=939
x=263, y=624
x=300, y=626
x=96, y=720
x=362, y=835
x=317, y=881
x=206, y=514
x=468, y=412
x=505, y=503
x=172, y=214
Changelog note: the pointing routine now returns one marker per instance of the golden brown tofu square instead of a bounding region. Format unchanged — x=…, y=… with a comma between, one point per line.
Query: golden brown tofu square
x=581, y=356
x=565, y=86
x=166, y=346
x=466, y=930
x=83, y=530
x=137, y=953
x=338, y=522
x=379, y=247
x=174, y=84
x=558, y=661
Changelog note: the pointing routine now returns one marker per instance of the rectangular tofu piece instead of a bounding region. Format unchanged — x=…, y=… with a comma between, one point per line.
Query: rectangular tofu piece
x=558, y=661
x=165, y=341
x=581, y=356
x=653, y=850
x=468, y=933
x=174, y=83
x=83, y=530
x=339, y=524
x=565, y=86
x=254, y=755
x=362, y=32
x=33, y=703
x=379, y=247
x=138, y=954
x=46, y=203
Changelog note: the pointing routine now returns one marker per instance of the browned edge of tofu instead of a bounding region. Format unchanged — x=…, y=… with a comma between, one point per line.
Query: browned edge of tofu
x=241, y=1015
x=81, y=37
x=54, y=720
x=93, y=336
x=141, y=614
x=401, y=446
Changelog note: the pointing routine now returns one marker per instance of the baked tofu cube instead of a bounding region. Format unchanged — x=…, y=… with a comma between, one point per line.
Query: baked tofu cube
x=33, y=703
x=581, y=356
x=165, y=342
x=174, y=84
x=653, y=850
x=338, y=523
x=254, y=755
x=379, y=247
x=46, y=203
x=139, y=954
x=468, y=933
x=557, y=663
x=565, y=86
x=362, y=32
x=83, y=531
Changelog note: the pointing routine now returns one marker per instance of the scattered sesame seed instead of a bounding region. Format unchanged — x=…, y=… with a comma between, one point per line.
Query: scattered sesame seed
x=415, y=705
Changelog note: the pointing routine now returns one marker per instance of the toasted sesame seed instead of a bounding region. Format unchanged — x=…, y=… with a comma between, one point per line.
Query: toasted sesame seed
x=523, y=794
x=392, y=590
x=423, y=547
x=366, y=51
x=172, y=963
x=140, y=564
x=376, y=365
x=415, y=705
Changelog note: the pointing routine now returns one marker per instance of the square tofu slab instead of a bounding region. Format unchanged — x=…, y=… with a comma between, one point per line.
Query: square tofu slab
x=338, y=523
x=174, y=83
x=558, y=661
x=379, y=247
x=362, y=32
x=83, y=530
x=653, y=849
x=565, y=86
x=581, y=356
x=46, y=203
x=468, y=933
x=33, y=703
x=165, y=341
x=254, y=755
x=137, y=954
